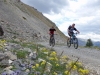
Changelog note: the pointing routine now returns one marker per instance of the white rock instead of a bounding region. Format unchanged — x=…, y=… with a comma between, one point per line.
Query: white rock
x=11, y=56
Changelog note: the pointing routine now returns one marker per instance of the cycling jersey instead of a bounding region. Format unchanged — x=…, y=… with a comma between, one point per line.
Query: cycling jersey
x=52, y=30
x=71, y=29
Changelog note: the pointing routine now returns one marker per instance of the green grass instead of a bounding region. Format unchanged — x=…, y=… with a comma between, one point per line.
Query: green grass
x=93, y=47
x=29, y=45
x=21, y=54
x=13, y=41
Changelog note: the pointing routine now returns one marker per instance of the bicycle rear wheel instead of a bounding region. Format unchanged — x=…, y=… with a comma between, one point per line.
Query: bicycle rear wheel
x=75, y=41
x=68, y=42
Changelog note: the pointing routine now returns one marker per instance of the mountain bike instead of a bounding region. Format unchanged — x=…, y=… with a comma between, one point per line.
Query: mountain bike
x=73, y=41
x=52, y=41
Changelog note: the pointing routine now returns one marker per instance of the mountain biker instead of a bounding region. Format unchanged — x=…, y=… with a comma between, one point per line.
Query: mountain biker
x=71, y=28
x=51, y=31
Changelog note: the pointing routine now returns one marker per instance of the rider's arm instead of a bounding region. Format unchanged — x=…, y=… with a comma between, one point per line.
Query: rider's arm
x=76, y=30
x=55, y=32
x=49, y=31
x=54, y=29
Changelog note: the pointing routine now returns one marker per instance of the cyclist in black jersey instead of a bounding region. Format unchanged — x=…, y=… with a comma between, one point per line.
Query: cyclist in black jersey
x=71, y=28
x=51, y=31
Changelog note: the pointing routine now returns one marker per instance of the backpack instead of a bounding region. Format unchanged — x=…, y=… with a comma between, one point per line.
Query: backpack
x=1, y=31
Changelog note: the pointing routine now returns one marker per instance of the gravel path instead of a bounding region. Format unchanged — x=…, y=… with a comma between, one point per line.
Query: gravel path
x=88, y=56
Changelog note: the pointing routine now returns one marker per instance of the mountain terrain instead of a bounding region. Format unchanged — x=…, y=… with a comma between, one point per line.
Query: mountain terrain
x=97, y=43
x=21, y=21
x=83, y=42
x=25, y=23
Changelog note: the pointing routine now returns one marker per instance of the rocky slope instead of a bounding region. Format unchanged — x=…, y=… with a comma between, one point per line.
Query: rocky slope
x=19, y=20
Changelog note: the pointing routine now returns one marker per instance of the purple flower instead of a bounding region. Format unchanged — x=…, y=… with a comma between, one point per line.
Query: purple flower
x=17, y=71
x=22, y=65
x=4, y=73
x=13, y=73
x=30, y=66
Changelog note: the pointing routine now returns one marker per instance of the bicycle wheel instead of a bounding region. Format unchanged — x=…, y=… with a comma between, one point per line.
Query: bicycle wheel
x=52, y=41
x=75, y=41
x=68, y=42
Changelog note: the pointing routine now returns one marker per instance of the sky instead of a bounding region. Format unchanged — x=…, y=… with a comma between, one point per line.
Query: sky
x=84, y=13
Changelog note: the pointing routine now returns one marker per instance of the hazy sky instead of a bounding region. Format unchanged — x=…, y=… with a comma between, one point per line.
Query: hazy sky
x=84, y=13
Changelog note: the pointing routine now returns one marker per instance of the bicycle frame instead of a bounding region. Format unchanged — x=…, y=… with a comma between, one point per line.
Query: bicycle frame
x=73, y=36
x=73, y=40
x=52, y=41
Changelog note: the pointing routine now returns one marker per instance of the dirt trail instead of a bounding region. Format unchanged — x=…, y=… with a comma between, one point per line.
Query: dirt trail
x=88, y=56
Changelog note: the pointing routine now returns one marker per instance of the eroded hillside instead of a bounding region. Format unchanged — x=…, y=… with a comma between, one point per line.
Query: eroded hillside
x=25, y=22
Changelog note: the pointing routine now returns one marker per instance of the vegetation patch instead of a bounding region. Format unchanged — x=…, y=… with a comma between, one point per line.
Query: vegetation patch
x=47, y=62
x=21, y=54
x=24, y=18
x=89, y=43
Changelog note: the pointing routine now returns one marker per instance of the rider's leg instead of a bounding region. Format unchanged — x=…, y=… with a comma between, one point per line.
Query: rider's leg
x=51, y=35
x=50, y=39
x=69, y=36
x=72, y=37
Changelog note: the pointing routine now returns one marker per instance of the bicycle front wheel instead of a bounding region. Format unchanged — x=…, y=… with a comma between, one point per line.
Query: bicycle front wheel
x=50, y=42
x=53, y=42
x=75, y=43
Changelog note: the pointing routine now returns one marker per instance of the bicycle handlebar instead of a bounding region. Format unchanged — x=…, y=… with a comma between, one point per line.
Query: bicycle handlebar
x=76, y=33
